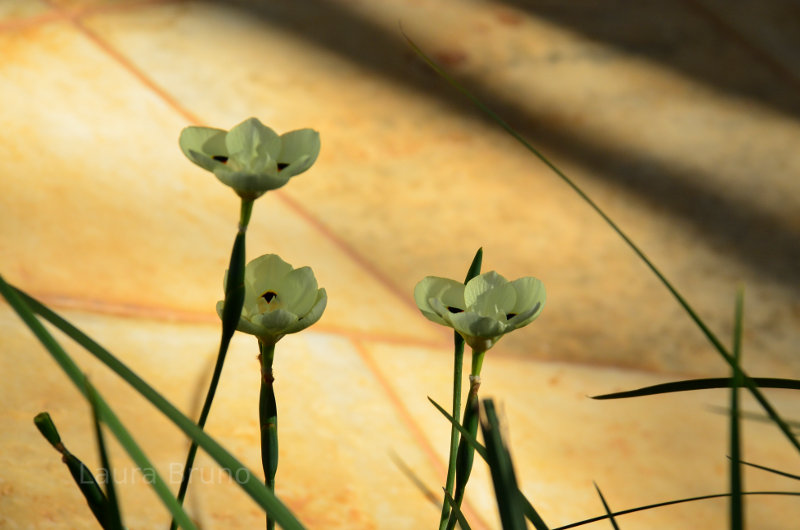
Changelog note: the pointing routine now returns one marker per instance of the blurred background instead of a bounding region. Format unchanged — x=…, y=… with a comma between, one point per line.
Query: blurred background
x=680, y=119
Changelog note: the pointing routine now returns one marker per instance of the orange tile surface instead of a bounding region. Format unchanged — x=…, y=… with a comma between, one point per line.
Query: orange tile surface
x=681, y=120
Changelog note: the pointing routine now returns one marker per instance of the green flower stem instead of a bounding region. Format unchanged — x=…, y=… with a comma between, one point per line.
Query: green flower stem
x=268, y=416
x=458, y=364
x=234, y=300
x=466, y=452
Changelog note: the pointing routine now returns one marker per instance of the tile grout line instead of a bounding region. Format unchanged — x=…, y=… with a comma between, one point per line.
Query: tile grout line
x=362, y=262
x=416, y=431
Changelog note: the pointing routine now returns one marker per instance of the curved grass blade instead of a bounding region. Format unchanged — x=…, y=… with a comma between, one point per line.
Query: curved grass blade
x=671, y=503
x=106, y=414
x=243, y=476
x=770, y=470
x=112, y=520
x=712, y=338
x=608, y=510
x=755, y=416
x=81, y=474
x=501, y=467
x=528, y=509
x=703, y=384
x=414, y=478
x=458, y=363
x=736, y=501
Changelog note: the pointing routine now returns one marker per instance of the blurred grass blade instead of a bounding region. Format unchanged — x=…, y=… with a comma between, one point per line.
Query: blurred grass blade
x=501, y=467
x=106, y=414
x=462, y=521
x=528, y=509
x=770, y=470
x=671, y=503
x=703, y=384
x=243, y=476
x=712, y=338
x=608, y=510
x=112, y=519
x=414, y=478
x=755, y=416
x=736, y=501
x=81, y=474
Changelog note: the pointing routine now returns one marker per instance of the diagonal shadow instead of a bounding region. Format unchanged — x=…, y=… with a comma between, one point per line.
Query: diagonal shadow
x=687, y=37
x=754, y=236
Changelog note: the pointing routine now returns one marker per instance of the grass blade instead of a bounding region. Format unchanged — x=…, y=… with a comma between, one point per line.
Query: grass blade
x=736, y=500
x=608, y=510
x=112, y=519
x=462, y=521
x=771, y=470
x=712, y=338
x=703, y=384
x=528, y=509
x=671, y=503
x=106, y=414
x=501, y=467
x=81, y=474
x=243, y=476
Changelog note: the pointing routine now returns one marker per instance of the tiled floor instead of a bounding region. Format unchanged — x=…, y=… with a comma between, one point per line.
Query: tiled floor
x=680, y=118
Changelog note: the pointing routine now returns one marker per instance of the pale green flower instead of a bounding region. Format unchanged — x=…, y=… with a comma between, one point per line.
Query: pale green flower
x=251, y=158
x=483, y=310
x=278, y=299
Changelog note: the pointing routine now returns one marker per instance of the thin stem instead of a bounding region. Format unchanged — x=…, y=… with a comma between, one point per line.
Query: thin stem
x=268, y=417
x=234, y=299
x=466, y=452
x=458, y=363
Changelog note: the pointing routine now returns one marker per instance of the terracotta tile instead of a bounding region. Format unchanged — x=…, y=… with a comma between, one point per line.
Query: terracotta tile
x=16, y=10
x=414, y=182
x=639, y=451
x=337, y=429
x=133, y=225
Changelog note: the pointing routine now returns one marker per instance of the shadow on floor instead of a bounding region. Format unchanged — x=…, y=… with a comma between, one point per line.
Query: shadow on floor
x=664, y=31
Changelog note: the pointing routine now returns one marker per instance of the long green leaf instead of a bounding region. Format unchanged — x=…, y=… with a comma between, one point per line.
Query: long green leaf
x=506, y=491
x=702, y=384
x=528, y=509
x=608, y=510
x=105, y=412
x=736, y=501
x=712, y=338
x=81, y=474
x=462, y=521
x=112, y=520
x=243, y=476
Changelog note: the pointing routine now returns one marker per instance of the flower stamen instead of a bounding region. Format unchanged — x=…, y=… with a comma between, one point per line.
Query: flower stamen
x=269, y=296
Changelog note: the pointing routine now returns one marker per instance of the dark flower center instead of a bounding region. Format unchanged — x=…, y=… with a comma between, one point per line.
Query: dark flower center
x=454, y=309
x=282, y=165
x=220, y=158
x=269, y=296
x=509, y=316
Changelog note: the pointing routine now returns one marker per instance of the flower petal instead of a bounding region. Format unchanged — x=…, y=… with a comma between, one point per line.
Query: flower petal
x=475, y=325
x=204, y=140
x=526, y=317
x=313, y=315
x=265, y=273
x=481, y=284
x=530, y=291
x=298, y=290
x=449, y=292
x=251, y=141
x=275, y=322
x=299, y=149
